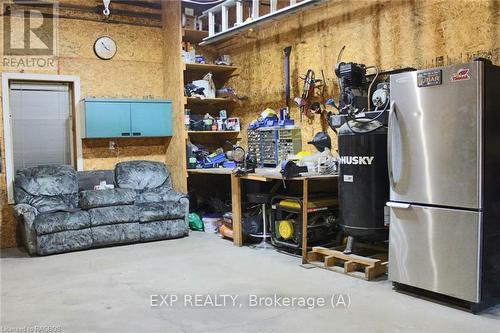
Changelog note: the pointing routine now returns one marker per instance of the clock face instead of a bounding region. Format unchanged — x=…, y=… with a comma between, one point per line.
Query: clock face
x=105, y=47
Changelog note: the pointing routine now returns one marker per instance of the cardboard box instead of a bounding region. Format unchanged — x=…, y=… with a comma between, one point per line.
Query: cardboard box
x=188, y=21
x=233, y=124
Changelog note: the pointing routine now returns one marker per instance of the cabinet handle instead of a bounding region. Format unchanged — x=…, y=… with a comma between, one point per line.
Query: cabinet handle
x=136, y=133
x=125, y=134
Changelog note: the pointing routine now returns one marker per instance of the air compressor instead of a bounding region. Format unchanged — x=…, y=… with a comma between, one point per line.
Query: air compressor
x=362, y=143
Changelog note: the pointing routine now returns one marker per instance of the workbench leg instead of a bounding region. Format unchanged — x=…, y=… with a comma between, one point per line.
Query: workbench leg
x=236, y=205
x=305, y=194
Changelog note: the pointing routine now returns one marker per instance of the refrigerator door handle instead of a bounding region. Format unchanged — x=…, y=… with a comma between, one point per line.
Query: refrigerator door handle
x=392, y=114
x=398, y=205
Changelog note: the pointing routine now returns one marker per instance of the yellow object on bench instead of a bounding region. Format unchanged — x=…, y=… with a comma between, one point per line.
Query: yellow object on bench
x=312, y=203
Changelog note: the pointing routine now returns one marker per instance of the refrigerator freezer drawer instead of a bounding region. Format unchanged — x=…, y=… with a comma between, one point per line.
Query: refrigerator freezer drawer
x=436, y=249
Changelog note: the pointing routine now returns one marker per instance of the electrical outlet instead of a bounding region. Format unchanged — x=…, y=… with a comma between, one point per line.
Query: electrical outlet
x=112, y=145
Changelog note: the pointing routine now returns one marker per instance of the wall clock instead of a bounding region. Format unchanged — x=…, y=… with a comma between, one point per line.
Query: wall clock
x=105, y=47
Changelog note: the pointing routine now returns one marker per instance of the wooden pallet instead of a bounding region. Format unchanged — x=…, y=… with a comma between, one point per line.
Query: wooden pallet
x=367, y=267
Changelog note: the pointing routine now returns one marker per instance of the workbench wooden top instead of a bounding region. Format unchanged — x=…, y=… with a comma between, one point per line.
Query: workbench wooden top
x=261, y=174
x=212, y=171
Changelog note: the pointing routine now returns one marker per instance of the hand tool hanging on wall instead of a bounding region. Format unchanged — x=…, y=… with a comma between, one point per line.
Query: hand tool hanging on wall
x=305, y=101
x=321, y=109
x=287, y=51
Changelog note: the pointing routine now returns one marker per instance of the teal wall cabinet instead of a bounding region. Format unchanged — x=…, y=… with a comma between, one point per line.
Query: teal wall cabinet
x=113, y=118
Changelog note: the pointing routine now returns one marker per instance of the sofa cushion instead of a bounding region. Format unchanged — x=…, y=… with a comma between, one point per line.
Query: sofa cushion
x=54, y=203
x=48, y=223
x=115, y=234
x=47, y=188
x=48, y=180
x=112, y=215
x=105, y=198
x=64, y=241
x=156, y=211
x=142, y=175
x=163, y=230
x=158, y=194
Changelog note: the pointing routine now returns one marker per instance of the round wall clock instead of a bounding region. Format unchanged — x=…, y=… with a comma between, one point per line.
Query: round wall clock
x=105, y=47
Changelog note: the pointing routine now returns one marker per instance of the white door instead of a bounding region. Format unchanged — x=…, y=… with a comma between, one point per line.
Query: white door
x=41, y=124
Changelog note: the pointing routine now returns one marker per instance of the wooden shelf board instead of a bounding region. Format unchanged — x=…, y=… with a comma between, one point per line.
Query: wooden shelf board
x=217, y=100
x=210, y=68
x=213, y=132
x=193, y=36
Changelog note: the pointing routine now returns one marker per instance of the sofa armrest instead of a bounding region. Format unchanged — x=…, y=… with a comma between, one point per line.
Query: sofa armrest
x=175, y=196
x=25, y=215
x=184, y=201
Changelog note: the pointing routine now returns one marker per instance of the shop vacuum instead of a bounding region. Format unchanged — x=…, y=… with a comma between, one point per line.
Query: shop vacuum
x=362, y=142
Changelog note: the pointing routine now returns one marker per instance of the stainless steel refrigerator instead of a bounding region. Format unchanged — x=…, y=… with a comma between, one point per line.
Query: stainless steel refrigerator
x=444, y=170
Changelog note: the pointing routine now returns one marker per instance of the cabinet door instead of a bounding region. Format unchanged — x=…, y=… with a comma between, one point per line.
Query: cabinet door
x=107, y=119
x=151, y=119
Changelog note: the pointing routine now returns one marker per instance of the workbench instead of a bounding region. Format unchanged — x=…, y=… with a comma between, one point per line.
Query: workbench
x=264, y=175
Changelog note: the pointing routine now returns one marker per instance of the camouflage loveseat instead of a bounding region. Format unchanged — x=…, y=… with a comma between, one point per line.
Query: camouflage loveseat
x=57, y=215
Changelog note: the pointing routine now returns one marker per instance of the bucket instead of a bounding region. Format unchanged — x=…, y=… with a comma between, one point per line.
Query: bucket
x=212, y=223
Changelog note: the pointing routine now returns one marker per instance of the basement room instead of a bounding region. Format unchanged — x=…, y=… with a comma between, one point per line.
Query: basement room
x=250, y=166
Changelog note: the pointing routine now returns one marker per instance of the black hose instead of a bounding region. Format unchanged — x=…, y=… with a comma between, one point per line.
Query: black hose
x=365, y=122
x=360, y=132
x=372, y=119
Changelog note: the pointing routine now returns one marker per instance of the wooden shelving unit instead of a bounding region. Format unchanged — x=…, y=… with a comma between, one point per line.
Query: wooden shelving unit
x=212, y=106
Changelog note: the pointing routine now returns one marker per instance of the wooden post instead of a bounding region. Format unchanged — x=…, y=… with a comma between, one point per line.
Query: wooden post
x=236, y=204
x=305, y=201
x=174, y=90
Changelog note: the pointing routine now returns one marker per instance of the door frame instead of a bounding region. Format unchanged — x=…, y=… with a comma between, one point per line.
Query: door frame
x=74, y=82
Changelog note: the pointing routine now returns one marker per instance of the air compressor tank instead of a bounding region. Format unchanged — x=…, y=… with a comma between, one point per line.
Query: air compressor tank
x=363, y=180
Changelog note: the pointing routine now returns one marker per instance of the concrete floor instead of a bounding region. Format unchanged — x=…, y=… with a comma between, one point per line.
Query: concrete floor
x=109, y=290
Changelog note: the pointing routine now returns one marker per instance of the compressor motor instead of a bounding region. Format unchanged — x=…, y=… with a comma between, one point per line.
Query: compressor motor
x=352, y=82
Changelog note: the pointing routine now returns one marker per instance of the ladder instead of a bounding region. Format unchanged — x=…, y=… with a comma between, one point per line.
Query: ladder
x=228, y=29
